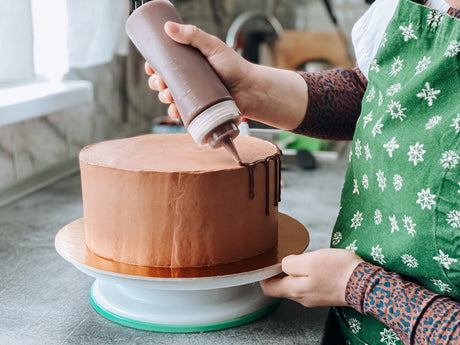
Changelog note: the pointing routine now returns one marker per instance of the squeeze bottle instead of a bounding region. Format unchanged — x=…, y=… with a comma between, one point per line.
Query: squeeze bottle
x=204, y=104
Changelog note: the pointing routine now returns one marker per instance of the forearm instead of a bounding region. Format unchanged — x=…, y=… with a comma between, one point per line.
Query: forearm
x=334, y=103
x=416, y=314
x=277, y=97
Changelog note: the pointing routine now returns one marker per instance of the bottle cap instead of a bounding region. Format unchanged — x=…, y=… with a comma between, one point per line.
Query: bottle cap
x=211, y=118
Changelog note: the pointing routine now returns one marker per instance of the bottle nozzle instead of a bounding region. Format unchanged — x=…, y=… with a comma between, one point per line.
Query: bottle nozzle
x=223, y=135
x=227, y=142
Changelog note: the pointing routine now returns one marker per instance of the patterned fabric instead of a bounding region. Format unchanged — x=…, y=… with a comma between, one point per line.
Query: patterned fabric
x=453, y=12
x=400, y=203
x=395, y=301
x=334, y=103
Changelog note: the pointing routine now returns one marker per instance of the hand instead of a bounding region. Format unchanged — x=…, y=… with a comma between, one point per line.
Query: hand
x=314, y=279
x=231, y=67
x=273, y=96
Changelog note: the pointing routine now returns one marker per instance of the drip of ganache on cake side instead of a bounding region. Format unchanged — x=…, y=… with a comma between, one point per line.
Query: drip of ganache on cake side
x=266, y=162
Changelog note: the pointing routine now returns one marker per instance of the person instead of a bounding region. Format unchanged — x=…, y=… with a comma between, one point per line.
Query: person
x=392, y=275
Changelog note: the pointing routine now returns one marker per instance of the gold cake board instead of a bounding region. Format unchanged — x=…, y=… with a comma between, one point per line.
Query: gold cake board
x=293, y=238
x=193, y=299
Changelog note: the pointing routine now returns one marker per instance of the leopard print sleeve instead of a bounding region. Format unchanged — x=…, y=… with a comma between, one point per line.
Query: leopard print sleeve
x=417, y=315
x=334, y=103
x=454, y=12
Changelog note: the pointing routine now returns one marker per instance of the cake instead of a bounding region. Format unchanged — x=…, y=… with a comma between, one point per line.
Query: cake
x=161, y=200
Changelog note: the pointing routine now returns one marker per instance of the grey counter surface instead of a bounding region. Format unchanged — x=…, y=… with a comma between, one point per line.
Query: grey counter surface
x=44, y=299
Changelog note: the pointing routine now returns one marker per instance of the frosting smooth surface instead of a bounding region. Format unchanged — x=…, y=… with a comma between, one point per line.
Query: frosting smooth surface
x=172, y=153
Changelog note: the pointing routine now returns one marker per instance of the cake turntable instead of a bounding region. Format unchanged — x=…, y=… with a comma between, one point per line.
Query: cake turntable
x=192, y=299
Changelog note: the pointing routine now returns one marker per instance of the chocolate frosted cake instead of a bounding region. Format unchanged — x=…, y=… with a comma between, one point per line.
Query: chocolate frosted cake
x=161, y=200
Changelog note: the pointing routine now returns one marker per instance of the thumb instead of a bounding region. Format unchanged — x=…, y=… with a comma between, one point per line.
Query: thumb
x=209, y=45
x=295, y=265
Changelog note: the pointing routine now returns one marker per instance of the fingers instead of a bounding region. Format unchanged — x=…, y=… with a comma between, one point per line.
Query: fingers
x=288, y=287
x=295, y=265
x=209, y=45
x=295, y=279
x=156, y=83
x=165, y=97
x=317, y=278
x=173, y=112
x=148, y=68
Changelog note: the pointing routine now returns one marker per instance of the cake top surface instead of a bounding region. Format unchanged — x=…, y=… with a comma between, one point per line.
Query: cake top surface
x=172, y=153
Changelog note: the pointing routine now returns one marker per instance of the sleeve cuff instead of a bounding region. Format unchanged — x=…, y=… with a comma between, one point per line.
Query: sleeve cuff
x=358, y=284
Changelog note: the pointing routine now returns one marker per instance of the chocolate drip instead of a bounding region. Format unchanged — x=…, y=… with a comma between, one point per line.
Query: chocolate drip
x=278, y=182
x=266, y=162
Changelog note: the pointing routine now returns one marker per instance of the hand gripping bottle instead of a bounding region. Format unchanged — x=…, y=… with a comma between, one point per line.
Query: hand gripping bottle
x=204, y=104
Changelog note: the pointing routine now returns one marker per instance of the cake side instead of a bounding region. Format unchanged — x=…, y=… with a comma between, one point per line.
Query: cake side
x=196, y=216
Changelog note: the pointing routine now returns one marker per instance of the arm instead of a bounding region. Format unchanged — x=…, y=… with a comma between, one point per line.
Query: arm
x=338, y=277
x=270, y=95
x=277, y=97
x=334, y=103
x=417, y=315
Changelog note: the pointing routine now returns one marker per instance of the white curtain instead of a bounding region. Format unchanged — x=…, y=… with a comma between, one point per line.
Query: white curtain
x=96, y=31
x=16, y=41
x=58, y=34
x=50, y=23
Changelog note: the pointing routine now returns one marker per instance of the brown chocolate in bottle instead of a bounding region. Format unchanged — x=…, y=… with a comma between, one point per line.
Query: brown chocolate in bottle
x=193, y=83
x=195, y=87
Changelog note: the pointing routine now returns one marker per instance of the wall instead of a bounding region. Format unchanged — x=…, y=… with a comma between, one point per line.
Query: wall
x=30, y=147
x=312, y=15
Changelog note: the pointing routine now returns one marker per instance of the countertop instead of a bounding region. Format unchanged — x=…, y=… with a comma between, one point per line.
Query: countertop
x=44, y=299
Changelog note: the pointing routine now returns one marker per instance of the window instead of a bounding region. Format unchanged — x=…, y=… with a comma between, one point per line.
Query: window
x=16, y=40
x=46, y=37
x=42, y=39
x=50, y=23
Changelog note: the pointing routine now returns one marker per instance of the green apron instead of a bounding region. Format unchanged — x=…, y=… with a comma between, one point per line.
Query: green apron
x=400, y=206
